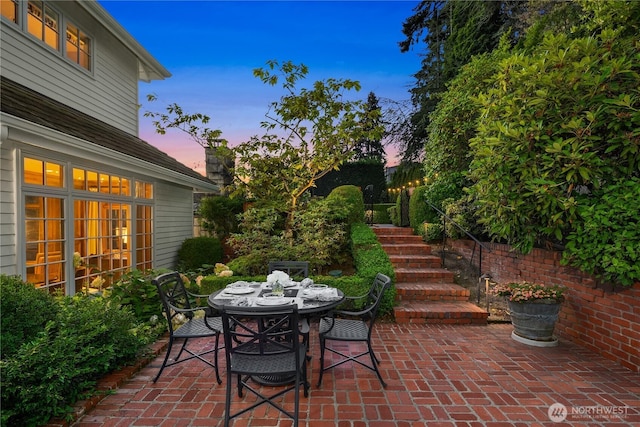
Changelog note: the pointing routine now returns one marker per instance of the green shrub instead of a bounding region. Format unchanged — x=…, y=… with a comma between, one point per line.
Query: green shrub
x=394, y=215
x=89, y=338
x=370, y=259
x=381, y=213
x=606, y=242
x=432, y=232
x=319, y=236
x=353, y=199
x=219, y=215
x=198, y=251
x=444, y=187
x=556, y=123
x=461, y=211
x=321, y=232
x=24, y=312
x=418, y=209
x=135, y=291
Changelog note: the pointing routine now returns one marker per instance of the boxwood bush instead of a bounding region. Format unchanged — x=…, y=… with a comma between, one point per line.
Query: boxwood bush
x=353, y=199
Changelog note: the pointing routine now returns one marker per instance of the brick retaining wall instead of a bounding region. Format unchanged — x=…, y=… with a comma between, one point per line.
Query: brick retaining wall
x=603, y=321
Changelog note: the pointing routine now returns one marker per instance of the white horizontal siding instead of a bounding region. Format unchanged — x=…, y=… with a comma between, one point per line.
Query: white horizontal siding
x=173, y=217
x=109, y=94
x=8, y=260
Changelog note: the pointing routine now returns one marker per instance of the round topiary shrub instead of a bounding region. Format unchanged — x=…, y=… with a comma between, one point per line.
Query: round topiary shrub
x=198, y=251
x=353, y=197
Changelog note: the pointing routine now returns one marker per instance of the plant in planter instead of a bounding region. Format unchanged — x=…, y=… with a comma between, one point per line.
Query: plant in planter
x=534, y=310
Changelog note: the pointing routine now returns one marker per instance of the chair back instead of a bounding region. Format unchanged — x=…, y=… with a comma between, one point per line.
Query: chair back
x=174, y=296
x=298, y=269
x=261, y=331
x=379, y=286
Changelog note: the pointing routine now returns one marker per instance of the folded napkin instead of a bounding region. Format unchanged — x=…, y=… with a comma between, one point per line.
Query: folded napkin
x=328, y=294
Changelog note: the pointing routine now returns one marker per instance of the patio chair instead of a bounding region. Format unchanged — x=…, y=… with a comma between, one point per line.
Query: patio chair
x=354, y=325
x=295, y=269
x=178, y=304
x=264, y=342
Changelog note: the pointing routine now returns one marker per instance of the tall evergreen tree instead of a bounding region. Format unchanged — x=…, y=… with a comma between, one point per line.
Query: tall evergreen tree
x=371, y=148
x=453, y=32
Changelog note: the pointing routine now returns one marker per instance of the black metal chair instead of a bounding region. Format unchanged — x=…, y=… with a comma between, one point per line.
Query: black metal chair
x=178, y=303
x=295, y=269
x=354, y=325
x=264, y=342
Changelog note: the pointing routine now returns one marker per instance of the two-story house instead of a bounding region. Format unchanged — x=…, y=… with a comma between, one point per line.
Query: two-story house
x=82, y=198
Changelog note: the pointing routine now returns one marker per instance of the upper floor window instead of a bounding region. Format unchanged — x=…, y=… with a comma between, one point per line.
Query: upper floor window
x=42, y=22
x=9, y=9
x=78, y=47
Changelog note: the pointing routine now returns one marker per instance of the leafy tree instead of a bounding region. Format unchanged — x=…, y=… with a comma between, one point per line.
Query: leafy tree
x=192, y=124
x=317, y=131
x=454, y=121
x=453, y=32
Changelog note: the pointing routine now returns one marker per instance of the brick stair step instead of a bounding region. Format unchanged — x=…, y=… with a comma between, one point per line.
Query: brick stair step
x=439, y=275
x=395, y=231
x=400, y=240
x=416, y=261
x=407, y=249
x=409, y=292
x=459, y=313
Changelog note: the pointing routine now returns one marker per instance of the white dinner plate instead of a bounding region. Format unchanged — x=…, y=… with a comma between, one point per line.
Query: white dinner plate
x=240, y=284
x=273, y=301
x=239, y=290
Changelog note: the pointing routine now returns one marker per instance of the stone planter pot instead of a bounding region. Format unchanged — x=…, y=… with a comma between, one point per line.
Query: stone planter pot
x=535, y=322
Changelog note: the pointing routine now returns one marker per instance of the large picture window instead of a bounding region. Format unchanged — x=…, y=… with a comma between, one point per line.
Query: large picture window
x=112, y=228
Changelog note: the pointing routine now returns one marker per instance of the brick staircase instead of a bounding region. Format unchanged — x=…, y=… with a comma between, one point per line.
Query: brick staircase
x=425, y=292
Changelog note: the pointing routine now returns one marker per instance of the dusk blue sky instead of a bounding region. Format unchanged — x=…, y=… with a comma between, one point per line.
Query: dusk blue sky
x=212, y=47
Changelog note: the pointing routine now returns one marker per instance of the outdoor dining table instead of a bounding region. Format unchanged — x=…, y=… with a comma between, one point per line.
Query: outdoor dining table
x=313, y=300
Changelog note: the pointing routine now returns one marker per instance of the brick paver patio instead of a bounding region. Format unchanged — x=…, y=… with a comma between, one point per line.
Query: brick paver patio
x=437, y=375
